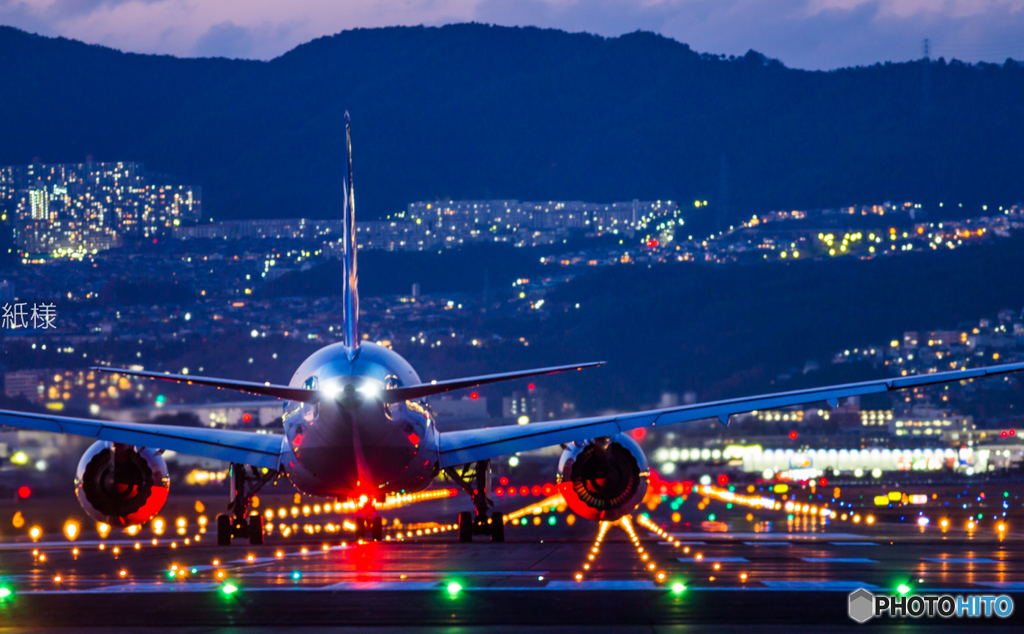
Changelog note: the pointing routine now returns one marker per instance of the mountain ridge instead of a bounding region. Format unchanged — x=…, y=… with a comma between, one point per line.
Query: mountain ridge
x=479, y=111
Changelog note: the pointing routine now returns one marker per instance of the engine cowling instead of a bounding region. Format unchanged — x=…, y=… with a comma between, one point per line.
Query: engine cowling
x=121, y=484
x=603, y=479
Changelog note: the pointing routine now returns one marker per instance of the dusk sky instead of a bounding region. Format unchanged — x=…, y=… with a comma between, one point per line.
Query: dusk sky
x=813, y=34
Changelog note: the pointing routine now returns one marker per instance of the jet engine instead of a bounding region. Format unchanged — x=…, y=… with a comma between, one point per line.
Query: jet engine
x=121, y=484
x=603, y=479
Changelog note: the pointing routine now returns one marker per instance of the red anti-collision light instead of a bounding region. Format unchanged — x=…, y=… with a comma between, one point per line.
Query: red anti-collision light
x=474, y=396
x=793, y=434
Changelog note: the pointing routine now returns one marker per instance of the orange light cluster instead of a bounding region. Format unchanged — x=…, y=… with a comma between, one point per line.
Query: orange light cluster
x=595, y=549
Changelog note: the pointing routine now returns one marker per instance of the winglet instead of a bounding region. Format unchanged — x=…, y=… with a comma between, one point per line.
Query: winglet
x=350, y=291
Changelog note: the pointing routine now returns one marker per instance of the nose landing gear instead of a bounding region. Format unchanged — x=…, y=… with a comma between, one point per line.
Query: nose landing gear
x=475, y=479
x=246, y=482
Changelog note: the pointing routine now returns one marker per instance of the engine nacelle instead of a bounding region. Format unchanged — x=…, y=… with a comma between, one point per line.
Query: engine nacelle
x=604, y=479
x=121, y=485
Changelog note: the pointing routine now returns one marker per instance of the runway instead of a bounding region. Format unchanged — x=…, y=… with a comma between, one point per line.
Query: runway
x=771, y=572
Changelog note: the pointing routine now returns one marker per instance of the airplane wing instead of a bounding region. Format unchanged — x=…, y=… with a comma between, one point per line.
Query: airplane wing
x=259, y=450
x=251, y=387
x=461, y=447
x=398, y=394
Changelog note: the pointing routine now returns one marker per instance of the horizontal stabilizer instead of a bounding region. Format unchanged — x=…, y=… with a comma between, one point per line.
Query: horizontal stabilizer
x=262, y=389
x=438, y=387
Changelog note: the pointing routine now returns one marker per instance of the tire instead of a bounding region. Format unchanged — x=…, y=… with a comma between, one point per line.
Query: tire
x=223, y=530
x=255, y=530
x=497, y=527
x=378, y=529
x=360, y=529
x=465, y=526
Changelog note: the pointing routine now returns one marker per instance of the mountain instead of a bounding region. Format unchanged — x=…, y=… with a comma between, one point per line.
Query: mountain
x=477, y=111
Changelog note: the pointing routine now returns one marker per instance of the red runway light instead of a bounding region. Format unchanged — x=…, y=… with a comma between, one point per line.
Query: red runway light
x=1013, y=432
x=723, y=480
x=524, y=490
x=474, y=396
x=24, y=492
x=823, y=482
x=793, y=434
x=536, y=489
x=511, y=490
x=530, y=386
x=549, y=489
x=499, y=491
x=1003, y=433
x=503, y=481
x=246, y=417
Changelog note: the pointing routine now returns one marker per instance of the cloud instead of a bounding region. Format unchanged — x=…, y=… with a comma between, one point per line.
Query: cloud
x=816, y=34
x=225, y=39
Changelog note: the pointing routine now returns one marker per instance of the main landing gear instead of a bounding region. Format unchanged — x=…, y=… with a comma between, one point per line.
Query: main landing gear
x=246, y=482
x=475, y=479
x=373, y=525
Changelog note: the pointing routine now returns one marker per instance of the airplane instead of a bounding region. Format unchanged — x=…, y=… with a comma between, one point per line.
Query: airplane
x=357, y=427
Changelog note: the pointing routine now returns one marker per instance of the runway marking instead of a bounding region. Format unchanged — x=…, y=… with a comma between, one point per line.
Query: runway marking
x=771, y=536
x=853, y=543
x=838, y=560
x=812, y=585
x=1009, y=586
x=392, y=573
x=714, y=560
x=963, y=560
x=768, y=543
x=383, y=585
x=597, y=584
x=189, y=586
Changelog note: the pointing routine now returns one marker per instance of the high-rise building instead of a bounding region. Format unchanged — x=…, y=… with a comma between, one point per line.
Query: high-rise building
x=75, y=208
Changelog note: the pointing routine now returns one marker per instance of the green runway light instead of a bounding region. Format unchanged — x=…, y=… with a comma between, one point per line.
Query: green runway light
x=194, y=570
x=552, y=520
x=903, y=588
x=4, y=593
x=454, y=588
x=229, y=589
x=678, y=588
x=296, y=575
x=711, y=517
x=170, y=574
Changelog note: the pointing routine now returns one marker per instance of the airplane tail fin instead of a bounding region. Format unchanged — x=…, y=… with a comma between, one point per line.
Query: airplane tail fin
x=351, y=282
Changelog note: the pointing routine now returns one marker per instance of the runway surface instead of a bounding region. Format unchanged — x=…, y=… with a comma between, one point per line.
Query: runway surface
x=771, y=573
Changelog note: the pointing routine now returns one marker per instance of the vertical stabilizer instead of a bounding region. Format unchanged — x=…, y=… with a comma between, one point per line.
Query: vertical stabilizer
x=351, y=286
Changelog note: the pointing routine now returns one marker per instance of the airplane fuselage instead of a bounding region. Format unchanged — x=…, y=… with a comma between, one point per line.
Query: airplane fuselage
x=350, y=443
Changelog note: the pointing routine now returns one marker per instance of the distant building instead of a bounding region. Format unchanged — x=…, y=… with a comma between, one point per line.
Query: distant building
x=538, y=404
x=78, y=208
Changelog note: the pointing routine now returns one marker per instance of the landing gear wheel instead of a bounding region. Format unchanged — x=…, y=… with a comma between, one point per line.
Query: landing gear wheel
x=378, y=529
x=223, y=530
x=256, y=530
x=497, y=526
x=465, y=526
x=360, y=529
